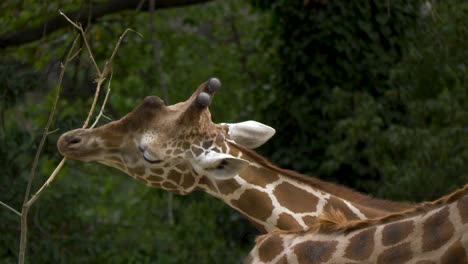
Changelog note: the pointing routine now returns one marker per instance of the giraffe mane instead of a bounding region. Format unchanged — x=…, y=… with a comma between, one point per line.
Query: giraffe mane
x=333, y=188
x=335, y=221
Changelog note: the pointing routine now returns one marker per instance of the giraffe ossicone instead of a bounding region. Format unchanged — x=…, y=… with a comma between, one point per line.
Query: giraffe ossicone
x=178, y=148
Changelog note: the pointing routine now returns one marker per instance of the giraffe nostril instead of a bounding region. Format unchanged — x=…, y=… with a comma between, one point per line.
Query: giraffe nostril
x=74, y=141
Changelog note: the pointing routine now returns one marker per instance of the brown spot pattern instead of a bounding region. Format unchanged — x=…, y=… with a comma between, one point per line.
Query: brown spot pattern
x=315, y=251
x=219, y=139
x=462, y=206
x=295, y=199
x=309, y=220
x=154, y=178
x=174, y=176
x=140, y=171
x=208, y=183
x=197, y=151
x=228, y=186
x=361, y=245
x=455, y=254
x=157, y=171
x=185, y=145
x=254, y=203
x=181, y=167
x=287, y=222
x=207, y=144
x=189, y=180
x=177, y=152
x=437, y=230
x=396, y=232
x=426, y=262
x=339, y=205
x=283, y=260
x=398, y=254
x=168, y=186
x=260, y=176
x=270, y=248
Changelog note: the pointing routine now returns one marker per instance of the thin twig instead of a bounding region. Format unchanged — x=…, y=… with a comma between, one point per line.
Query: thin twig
x=76, y=53
x=49, y=122
x=101, y=112
x=26, y=202
x=83, y=35
x=100, y=79
x=106, y=117
x=11, y=208
x=102, y=76
x=120, y=40
x=93, y=105
x=47, y=183
x=53, y=131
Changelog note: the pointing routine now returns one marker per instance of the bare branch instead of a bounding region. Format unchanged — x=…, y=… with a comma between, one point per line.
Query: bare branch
x=101, y=112
x=46, y=184
x=27, y=203
x=100, y=79
x=83, y=35
x=21, y=36
x=120, y=40
x=10, y=208
x=49, y=122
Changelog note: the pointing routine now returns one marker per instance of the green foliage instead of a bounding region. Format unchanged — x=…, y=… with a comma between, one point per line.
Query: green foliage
x=375, y=94
x=415, y=135
x=347, y=44
x=366, y=93
x=92, y=214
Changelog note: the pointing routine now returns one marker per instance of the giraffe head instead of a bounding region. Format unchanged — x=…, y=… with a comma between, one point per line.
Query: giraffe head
x=170, y=147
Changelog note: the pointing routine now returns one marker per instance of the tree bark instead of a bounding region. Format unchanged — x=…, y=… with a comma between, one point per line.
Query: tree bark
x=83, y=16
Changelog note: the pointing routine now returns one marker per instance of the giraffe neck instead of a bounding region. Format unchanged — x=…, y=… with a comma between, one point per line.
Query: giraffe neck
x=427, y=235
x=273, y=198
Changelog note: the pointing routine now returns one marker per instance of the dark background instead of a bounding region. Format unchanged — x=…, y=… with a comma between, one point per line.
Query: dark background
x=370, y=94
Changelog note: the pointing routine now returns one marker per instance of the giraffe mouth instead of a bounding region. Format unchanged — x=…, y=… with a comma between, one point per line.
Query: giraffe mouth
x=74, y=145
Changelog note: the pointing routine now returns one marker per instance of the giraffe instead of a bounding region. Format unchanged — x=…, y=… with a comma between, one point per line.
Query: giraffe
x=430, y=233
x=179, y=149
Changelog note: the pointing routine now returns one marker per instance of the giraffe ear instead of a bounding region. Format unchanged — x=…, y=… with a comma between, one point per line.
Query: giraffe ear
x=218, y=165
x=250, y=134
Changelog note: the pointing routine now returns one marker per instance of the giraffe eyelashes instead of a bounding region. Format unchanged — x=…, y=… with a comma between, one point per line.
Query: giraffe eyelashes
x=149, y=158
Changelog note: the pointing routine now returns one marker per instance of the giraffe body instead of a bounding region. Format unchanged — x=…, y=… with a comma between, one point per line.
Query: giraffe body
x=431, y=233
x=178, y=148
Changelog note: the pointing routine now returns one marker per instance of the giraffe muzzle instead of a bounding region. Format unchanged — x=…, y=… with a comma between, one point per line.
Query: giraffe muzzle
x=72, y=144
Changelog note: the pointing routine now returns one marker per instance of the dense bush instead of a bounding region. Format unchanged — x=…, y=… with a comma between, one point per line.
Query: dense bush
x=375, y=94
x=367, y=93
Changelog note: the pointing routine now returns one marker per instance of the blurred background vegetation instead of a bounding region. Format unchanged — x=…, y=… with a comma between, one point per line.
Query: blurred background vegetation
x=369, y=94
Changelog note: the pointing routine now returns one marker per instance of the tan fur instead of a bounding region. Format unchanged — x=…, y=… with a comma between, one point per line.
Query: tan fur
x=333, y=222
x=330, y=221
x=336, y=189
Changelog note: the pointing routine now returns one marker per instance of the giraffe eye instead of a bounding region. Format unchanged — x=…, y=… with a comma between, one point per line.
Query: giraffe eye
x=149, y=157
